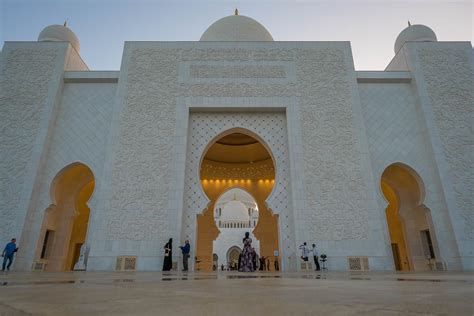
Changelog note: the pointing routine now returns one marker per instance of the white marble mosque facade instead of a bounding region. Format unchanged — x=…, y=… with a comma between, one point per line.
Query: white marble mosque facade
x=338, y=130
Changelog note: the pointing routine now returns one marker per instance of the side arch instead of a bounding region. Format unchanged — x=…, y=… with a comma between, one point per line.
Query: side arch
x=411, y=230
x=65, y=221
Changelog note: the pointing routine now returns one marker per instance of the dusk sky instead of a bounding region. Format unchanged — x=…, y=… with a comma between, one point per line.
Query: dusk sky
x=104, y=25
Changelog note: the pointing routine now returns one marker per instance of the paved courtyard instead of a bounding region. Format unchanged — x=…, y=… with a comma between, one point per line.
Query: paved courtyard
x=230, y=293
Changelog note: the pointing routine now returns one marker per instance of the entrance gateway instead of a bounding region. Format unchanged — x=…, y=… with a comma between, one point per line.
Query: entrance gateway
x=267, y=178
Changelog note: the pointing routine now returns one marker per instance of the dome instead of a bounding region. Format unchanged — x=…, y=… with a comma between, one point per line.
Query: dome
x=236, y=28
x=235, y=211
x=415, y=33
x=59, y=33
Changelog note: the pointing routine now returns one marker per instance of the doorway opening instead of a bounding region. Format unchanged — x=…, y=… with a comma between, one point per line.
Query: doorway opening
x=409, y=221
x=237, y=174
x=65, y=221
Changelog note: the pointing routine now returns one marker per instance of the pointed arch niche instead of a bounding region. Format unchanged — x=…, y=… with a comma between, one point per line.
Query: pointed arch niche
x=411, y=230
x=65, y=221
x=237, y=159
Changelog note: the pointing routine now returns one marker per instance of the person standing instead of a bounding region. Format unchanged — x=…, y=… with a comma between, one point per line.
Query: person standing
x=304, y=252
x=168, y=262
x=185, y=251
x=316, y=257
x=8, y=253
x=246, y=262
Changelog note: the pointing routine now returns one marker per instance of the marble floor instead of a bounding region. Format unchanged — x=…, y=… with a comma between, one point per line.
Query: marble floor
x=228, y=293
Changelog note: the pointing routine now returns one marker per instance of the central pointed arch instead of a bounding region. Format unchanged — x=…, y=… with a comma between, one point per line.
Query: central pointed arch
x=237, y=157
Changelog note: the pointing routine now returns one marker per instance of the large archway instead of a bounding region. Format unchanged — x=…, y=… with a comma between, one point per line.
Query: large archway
x=412, y=234
x=65, y=221
x=237, y=159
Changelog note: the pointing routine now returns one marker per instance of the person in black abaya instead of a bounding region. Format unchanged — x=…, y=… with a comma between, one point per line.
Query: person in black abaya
x=167, y=263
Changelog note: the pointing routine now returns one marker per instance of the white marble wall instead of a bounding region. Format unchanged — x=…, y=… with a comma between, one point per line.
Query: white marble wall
x=338, y=138
x=397, y=134
x=444, y=78
x=334, y=200
x=31, y=79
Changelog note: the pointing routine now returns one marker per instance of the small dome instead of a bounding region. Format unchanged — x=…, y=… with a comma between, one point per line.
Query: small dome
x=235, y=211
x=415, y=33
x=59, y=33
x=236, y=28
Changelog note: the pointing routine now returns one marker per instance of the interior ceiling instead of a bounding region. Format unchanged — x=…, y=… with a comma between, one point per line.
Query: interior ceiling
x=237, y=148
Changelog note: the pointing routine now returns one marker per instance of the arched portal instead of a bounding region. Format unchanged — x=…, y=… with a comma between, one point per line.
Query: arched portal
x=65, y=221
x=409, y=221
x=232, y=257
x=235, y=213
x=237, y=159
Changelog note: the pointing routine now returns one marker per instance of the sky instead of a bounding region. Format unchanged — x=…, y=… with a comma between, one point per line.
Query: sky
x=103, y=26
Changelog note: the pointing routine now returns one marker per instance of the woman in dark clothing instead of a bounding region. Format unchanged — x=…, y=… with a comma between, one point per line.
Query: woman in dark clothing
x=246, y=262
x=167, y=263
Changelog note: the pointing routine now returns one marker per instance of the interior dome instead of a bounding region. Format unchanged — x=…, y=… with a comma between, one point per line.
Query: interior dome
x=59, y=33
x=414, y=33
x=236, y=28
x=235, y=211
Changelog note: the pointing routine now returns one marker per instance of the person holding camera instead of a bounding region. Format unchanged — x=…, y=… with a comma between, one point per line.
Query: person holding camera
x=8, y=253
x=304, y=252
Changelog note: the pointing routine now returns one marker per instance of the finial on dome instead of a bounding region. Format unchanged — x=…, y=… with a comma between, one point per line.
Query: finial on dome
x=236, y=12
x=59, y=33
x=414, y=33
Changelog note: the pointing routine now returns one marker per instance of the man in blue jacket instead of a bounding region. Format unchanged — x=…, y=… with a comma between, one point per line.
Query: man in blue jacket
x=8, y=253
x=185, y=250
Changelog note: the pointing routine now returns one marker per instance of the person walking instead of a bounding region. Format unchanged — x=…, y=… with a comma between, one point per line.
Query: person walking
x=316, y=257
x=185, y=251
x=8, y=253
x=168, y=262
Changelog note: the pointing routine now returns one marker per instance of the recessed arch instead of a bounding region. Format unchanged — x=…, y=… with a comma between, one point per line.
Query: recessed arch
x=64, y=172
x=415, y=178
x=245, y=131
x=411, y=232
x=65, y=221
x=232, y=256
x=237, y=158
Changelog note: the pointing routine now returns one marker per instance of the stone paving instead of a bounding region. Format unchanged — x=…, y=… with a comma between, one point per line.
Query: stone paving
x=232, y=293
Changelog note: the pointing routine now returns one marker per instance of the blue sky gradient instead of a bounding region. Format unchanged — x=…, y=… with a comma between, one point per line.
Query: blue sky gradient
x=103, y=25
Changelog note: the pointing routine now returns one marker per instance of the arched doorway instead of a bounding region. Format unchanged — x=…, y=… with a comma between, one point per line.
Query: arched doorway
x=235, y=213
x=65, y=221
x=412, y=235
x=237, y=159
x=233, y=257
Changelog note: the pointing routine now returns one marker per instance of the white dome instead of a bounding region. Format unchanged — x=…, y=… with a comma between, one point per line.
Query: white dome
x=415, y=33
x=234, y=211
x=236, y=28
x=59, y=33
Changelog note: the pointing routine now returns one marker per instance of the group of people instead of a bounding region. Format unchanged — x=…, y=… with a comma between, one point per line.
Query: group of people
x=247, y=259
x=168, y=262
x=305, y=252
